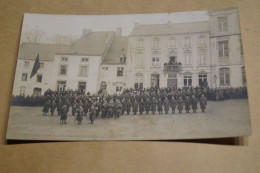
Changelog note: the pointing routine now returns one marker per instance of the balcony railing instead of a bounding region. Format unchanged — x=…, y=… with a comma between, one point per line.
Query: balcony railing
x=175, y=67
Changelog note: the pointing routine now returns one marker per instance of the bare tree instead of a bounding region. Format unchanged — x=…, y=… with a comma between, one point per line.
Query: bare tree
x=33, y=36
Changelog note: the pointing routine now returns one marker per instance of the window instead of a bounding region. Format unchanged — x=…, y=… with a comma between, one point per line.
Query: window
x=187, y=80
x=61, y=85
x=140, y=43
x=187, y=58
x=172, y=42
x=155, y=61
x=139, y=61
x=26, y=64
x=22, y=90
x=138, y=81
x=223, y=49
x=156, y=43
x=39, y=78
x=37, y=91
x=120, y=71
x=187, y=41
x=224, y=76
x=83, y=71
x=222, y=24
x=84, y=59
x=63, y=69
x=202, y=58
x=203, y=80
x=41, y=64
x=122, y=59
x=24, y=76
x=243, y=75
x=104, y=68
x=64, y=59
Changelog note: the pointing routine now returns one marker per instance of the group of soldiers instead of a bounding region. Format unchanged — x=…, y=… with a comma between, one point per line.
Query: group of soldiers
x=128, y=102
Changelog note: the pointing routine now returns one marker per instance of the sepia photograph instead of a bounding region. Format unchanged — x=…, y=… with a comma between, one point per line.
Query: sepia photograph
x=161, y=76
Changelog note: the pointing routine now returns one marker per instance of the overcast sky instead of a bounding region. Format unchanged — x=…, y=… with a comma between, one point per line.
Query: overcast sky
x=74, y=24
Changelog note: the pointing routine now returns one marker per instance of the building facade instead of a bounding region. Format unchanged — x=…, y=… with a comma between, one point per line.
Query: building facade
x=207, y=53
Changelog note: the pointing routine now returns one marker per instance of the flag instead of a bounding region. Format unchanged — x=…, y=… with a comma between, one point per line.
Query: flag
x=36, y=66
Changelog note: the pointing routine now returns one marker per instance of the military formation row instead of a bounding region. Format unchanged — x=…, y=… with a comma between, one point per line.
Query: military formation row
x=114, y=108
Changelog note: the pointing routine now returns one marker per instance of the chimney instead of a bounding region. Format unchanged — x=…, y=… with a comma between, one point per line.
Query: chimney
x=118, y=31
x=86, y=32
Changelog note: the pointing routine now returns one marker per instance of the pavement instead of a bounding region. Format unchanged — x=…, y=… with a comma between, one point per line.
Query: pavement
x=228, y=118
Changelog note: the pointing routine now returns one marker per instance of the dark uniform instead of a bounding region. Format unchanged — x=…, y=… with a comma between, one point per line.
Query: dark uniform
x=92, y=113
x=135, y=107
x=123, y=106
x=180, y=105
x=173, y=104
x=63, y=116
x=194, y=103
x=159, y=104
x=53, y=107
x=46, y=107
x=118, y=110
x=153, y=106
x=166, y=105
x=203, y=103
x=187, y=104
x=147, y=106
x=141, y=106
x=128, y=106
x=79, y=112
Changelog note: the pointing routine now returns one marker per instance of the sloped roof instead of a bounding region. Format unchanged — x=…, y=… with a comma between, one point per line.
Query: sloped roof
x=29, y=51
x=93, y=43
x=117, y=49
x=170, y=28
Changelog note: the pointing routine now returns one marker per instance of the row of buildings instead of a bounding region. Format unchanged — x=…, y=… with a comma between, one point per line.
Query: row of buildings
x=205, y=53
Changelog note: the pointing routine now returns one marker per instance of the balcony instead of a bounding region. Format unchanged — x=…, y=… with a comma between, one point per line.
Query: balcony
x=172, y=67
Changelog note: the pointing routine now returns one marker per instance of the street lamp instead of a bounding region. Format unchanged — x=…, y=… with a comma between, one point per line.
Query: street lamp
x=215, y=79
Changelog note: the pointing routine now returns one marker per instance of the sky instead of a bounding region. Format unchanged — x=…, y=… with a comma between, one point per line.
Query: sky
x=73, y=25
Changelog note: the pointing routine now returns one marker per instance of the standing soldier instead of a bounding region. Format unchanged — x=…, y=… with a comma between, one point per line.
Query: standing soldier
x=59, y=106
x=173, y=104
x=187, y=104
x=159, y=104
x=118, y=110
x=79, y=112
x=194, y=103
x=63, y=116
x=104, y=109
x=110, y=109
x=67, y=102
x=128, y=106
x=147, y=106
x=153, y=105
x=98, y=108
x=203, y=103
x=135, y=107
x=74, y=107
x=53, y=107
x=141, y=106
x=166, y=105
x=85, y=107
x=180, y=105
x=123, y=106
x=92, y=113
x=46, y=107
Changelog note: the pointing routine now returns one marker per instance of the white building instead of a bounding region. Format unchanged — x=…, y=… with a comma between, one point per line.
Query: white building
x=165, y=55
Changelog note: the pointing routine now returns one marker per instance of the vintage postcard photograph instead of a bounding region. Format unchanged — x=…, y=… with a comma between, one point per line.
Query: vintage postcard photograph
x=130, y=77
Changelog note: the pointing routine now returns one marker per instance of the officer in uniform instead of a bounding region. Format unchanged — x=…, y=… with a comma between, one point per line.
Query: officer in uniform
x=166, y=105
x=135, y=107
x=79, y=111
x=128, y=106
x=180, y=105
x=159, y=104
x=46, y=107
x=92, y=113
x=147, y=106
x=53, y=107
x=194, y=103
x=63, y=116
x=141, y=106
x=153, y=105
x=187, y=104
x=173, y=104
x=203, y=103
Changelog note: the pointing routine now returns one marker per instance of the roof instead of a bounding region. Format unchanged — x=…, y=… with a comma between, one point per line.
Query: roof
x=170, y=28
x=29, y=51
x=92, y=44
x=117, y=49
